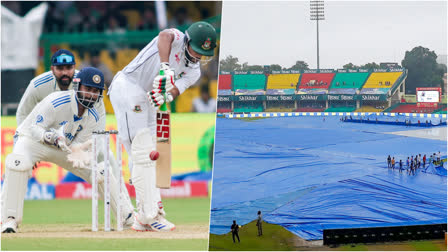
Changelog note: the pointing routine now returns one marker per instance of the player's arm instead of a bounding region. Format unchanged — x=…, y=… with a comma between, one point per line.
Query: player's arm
x=41, y=126
x=185, y=82
x=27, y=103
x=166, y=38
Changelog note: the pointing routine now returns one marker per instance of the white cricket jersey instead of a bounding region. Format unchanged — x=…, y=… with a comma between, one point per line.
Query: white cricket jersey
x=59, y=111
x=39, y=88
x=146, y=66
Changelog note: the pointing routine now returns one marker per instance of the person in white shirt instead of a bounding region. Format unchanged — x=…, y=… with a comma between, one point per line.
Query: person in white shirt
x=60, y=123
x=204, y=103
x=58, y=78
x=163, y=70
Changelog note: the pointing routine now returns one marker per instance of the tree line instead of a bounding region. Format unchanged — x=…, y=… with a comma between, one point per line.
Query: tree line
x=421, y=63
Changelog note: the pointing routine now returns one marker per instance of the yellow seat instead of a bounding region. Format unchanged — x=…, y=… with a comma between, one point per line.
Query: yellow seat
x=124, y=57
x=184, y=102
x=133, y=17
x=275, y=109
x=378, y=80
x=107, y=60
x=368, y=109
x=283, y=81
x=213, y=88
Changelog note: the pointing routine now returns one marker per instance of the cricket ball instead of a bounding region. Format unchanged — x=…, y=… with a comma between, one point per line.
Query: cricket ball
x=154, y=155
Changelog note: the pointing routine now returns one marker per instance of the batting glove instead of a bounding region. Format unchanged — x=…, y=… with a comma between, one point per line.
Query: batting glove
x=164, y=82
x=156, y=97
x=165, y=67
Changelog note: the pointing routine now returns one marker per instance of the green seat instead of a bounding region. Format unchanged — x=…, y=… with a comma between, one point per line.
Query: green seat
x=249, y=81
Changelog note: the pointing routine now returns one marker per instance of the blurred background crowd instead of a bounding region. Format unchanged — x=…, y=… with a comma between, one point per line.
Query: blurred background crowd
x=108, y=35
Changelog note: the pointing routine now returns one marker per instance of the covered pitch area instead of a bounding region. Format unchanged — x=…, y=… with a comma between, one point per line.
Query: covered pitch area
x=308, y=174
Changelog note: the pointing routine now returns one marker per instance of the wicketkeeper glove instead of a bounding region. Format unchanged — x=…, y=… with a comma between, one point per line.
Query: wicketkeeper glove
x=51, y=137
x=80, y=154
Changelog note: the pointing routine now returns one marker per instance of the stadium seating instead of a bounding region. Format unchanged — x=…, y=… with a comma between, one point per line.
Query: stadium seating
x=283, y=81
x=378, y=80
x=349, y=80
x=108, y=61
x=306, y=109
x=184, y=102
x=278, y=109
x=248, y=107
x=132, y=17
x=225, y=81
x=224, y=110
x=340, y=109
x=249, y=81
x=316, y=80
x=441, y=111
x=124, y=57
x=368, y=109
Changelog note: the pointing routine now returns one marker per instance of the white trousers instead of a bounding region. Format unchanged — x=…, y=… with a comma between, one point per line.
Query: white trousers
x=32, y=151
x=134, y=112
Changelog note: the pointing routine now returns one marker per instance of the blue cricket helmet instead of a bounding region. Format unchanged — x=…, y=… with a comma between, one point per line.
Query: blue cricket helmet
x=63, y=57
x=90, y=77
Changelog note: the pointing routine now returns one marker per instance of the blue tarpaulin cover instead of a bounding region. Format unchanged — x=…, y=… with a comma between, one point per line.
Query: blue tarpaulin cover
x=308, y=174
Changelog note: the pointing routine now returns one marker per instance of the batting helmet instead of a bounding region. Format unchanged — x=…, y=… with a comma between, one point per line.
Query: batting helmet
x=202, y=38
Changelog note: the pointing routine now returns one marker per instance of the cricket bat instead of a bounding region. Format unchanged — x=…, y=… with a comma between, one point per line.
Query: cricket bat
x=163, y=163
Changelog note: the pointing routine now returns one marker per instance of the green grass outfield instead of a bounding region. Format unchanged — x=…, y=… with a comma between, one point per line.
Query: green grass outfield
x=276, y=238
x=65, y=225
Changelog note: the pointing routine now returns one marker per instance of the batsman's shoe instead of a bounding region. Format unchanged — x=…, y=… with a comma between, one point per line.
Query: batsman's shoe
x=10, y=225
x=160, y=224
x=140, y=227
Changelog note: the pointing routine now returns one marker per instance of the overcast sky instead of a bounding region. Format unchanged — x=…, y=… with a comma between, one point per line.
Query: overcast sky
x=264, y=33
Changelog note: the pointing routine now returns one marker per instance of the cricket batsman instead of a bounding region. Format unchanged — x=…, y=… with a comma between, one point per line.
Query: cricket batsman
x=163, y=70
x=60, y=125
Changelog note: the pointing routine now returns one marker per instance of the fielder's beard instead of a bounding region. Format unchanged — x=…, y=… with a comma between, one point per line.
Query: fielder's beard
x=64, y=83
x=87, y=102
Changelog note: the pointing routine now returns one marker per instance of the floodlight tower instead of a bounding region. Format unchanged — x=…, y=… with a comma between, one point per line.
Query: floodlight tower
x=317, y=13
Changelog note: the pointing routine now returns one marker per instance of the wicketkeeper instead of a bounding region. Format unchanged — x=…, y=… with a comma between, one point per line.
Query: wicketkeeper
x=58, y=128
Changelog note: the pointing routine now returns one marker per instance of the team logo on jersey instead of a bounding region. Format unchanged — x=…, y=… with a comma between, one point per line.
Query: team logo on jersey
x=177, y=58
x=96, y=78
x=206, y=45
x=137, y=109
x=69, y=136
x=79, y=128
x=181, y=75
x=39, y=119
